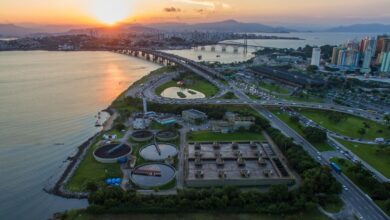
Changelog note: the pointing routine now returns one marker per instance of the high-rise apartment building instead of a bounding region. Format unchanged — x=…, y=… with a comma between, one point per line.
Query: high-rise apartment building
x=316, y=56
x=385, y=67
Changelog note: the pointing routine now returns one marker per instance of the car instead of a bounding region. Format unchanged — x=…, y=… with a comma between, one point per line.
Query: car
x=345, y=188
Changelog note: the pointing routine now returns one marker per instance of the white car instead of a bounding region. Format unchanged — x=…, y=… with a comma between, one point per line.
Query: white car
x=345, y=188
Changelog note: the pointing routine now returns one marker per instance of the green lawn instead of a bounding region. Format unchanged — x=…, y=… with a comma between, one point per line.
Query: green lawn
x=229, y=95
x=213, y=136
x=348, y=127
x=306, y=98
x=92, y=171
x=252, y=96
x=198, y=84
x=274, y=88
x=82, y=215
x=286, y=119
x=118, y=134
x=368, y=153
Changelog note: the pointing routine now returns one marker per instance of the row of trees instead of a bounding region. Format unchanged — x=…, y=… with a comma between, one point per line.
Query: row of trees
x=228, y=199
x=313, y=134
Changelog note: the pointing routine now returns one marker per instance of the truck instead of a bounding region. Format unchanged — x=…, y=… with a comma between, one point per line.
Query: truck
x=335, y=167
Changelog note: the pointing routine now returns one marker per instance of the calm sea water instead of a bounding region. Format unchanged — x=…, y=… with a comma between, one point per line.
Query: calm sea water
x=48, y=98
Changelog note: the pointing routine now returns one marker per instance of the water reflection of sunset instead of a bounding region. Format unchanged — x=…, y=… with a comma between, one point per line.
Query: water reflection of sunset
x=115, y=81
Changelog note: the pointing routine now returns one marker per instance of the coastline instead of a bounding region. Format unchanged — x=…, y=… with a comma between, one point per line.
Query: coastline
x=59, y=187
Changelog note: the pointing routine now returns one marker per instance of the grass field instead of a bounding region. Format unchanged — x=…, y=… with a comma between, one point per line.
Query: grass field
x=213, y=136
x=252, y=96
x=306, y=98
x=116, y=132
x=274, y=88
x=82, y=215
x=348, y=127
x=198, y=84
x=368, y=153
x=286, y=119
x=92, y=171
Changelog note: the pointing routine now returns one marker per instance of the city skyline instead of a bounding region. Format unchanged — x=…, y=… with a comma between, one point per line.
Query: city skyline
x=279, y=12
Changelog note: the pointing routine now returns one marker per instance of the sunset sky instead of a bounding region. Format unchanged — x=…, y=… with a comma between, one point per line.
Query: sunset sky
x=332, y=12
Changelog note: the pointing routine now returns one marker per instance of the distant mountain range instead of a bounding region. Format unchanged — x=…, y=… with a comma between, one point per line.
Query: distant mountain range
x=371, y=28
x=221, y=26
x=11, y=30
x=15, y=31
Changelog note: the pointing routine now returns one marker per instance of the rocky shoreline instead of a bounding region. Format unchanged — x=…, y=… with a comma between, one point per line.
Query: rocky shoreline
x=59, y=187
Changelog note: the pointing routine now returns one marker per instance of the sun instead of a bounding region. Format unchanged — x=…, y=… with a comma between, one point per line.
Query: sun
x=110, y=11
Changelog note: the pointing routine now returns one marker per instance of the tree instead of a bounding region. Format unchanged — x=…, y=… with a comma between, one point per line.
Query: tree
x=311, y=68
x=362, y=131
x=294, y=119
x=386, y=118
x=91, y=186
x=387, y=205
x=314, y=134
x=120, y=126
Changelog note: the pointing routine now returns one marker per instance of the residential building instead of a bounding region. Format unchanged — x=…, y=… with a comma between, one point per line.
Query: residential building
x=383, y=44
x=385, y=67
x=335, y=55
x=368, y=51
x=316, y=56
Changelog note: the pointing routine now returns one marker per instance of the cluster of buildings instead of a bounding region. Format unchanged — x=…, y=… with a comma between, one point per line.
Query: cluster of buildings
x=231, y=121
x=369, y=52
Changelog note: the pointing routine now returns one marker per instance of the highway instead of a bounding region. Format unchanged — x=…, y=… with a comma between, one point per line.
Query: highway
x=362, y=205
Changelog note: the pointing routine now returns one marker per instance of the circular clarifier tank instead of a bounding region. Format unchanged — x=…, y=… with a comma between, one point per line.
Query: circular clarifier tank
x=111, y=153
x=152, y=175
x=159, y=153
x=143, y=135
x=166, y=135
